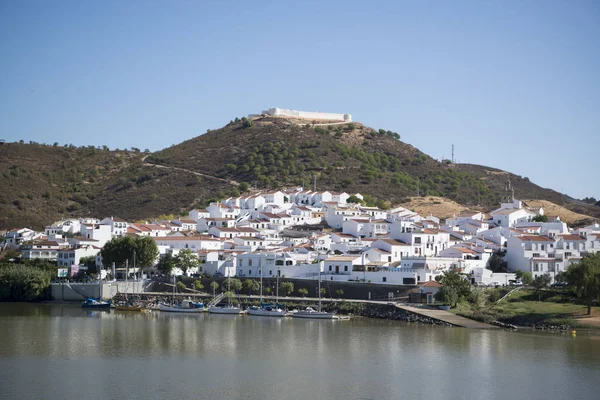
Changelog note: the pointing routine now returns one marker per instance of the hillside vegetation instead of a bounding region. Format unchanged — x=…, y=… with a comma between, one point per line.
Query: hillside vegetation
x=41, y=183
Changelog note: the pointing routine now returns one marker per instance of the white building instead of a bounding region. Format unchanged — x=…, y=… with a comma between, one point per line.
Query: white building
x=307, y=115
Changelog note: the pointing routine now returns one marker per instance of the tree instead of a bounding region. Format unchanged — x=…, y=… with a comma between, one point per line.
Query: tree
x=250, y=285
x=247, y=123
x=456, y=287
x=89, y=262
x=584, y=276
x=540, y=218
x=181, y=286
x=186, y=260
x=497, y=264
x=198, y=284
x=287, y=288
x=232, y=284
x=120, y=249
x=540, y=282
x=243, y=187
x=354, y=200
x=214, y=286
x=166, y=264
x=524, y=277
x=303, y=292
x=146, y=252
x=339, y=293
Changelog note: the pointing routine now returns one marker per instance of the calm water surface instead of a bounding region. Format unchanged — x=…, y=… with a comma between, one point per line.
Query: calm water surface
x=64, y=352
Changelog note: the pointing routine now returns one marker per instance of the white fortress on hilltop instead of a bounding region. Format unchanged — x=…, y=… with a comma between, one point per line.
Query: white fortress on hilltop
x=309, y=115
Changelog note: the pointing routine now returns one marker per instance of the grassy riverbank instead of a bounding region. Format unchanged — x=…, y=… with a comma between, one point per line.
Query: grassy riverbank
x=546, y=309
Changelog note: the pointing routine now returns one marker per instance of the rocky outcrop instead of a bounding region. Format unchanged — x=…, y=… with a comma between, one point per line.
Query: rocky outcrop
x=397, y=314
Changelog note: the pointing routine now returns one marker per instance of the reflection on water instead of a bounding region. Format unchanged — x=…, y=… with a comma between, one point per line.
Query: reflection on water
x=114, y=354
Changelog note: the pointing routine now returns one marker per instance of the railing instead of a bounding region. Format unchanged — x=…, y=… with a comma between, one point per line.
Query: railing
x=216, y=300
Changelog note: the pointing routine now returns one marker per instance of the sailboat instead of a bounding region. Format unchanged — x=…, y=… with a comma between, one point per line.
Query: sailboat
x=186, y=306
x=229, y=308
x=310, y=312
x=96, y=303
x=267, y=310
x=128, y=305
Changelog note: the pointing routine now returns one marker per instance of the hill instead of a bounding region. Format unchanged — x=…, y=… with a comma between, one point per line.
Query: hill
x=271, y=152
x=41, y=183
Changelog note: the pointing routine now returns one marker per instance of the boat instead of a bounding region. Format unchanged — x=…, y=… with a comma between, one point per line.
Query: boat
x=186, y=306
x=128, y=305
x=229, y=308
x=95, y=303
x=310, y=312
x=267, y=310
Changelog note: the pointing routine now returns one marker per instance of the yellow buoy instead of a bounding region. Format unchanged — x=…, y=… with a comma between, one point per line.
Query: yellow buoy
x=573, y=332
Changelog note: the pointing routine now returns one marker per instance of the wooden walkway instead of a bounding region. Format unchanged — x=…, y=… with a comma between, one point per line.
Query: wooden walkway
x=446, y=317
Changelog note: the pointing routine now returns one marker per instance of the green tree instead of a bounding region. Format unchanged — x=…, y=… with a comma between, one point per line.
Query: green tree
x=287, y=288
x=339, y=293
x=232, y=284
x=497, y=264
x=198, y=285
x=354, y=200
x=214, y=286
x=247, y=123
x=456, y=287
x=166, y=264
x=186, y=260
x=243, y=187
x=524, y=277
x=540, y=218
x=323, y=291
x=90, y=263
x=146, y=252
x=181, y=286
x=120, y=249
x=584, y=277
x=251, y=286
x=303, y=292
x=540, y=282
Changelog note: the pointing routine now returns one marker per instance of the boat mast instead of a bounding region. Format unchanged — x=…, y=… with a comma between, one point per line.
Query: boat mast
x=261, y=280
x=277, y=289
x=126, y=273
x=319, y=289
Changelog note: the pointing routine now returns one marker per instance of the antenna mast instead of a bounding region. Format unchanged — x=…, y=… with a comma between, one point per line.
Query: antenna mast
x=452, y=154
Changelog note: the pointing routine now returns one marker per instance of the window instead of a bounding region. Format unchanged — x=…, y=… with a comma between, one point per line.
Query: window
x=542, y=247
x=417, y=240
x=250, y=262
x=535, y=255
x=384, y=279
x=345, y=268
x=270, y=272
x=330, y=267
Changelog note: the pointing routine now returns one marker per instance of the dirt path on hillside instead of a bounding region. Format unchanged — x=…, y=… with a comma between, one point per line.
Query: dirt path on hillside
x=231, y=182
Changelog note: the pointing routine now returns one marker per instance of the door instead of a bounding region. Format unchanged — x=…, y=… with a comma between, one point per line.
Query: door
x=337, y=269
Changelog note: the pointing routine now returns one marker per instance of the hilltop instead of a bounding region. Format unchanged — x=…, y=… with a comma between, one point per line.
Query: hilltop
x=42, y=183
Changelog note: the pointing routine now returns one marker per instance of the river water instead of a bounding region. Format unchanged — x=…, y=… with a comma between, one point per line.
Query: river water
x=64, y=352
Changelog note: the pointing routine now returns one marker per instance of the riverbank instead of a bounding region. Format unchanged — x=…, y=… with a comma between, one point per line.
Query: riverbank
x=547, y=310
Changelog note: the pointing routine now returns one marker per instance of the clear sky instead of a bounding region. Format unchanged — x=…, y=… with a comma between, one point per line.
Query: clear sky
x=512, y=84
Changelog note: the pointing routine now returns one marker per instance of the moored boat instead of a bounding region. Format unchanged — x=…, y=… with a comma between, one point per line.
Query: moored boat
x=94, y=303
x=186, y=306
x=230, y=309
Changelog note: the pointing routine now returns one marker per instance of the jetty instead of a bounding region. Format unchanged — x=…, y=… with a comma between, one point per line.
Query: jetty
x=445, y=316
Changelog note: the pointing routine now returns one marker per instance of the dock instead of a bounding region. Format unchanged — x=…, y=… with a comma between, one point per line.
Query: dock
x=445, y=316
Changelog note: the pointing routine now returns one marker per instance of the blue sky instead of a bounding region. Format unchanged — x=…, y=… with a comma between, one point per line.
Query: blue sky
x=512, y=84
